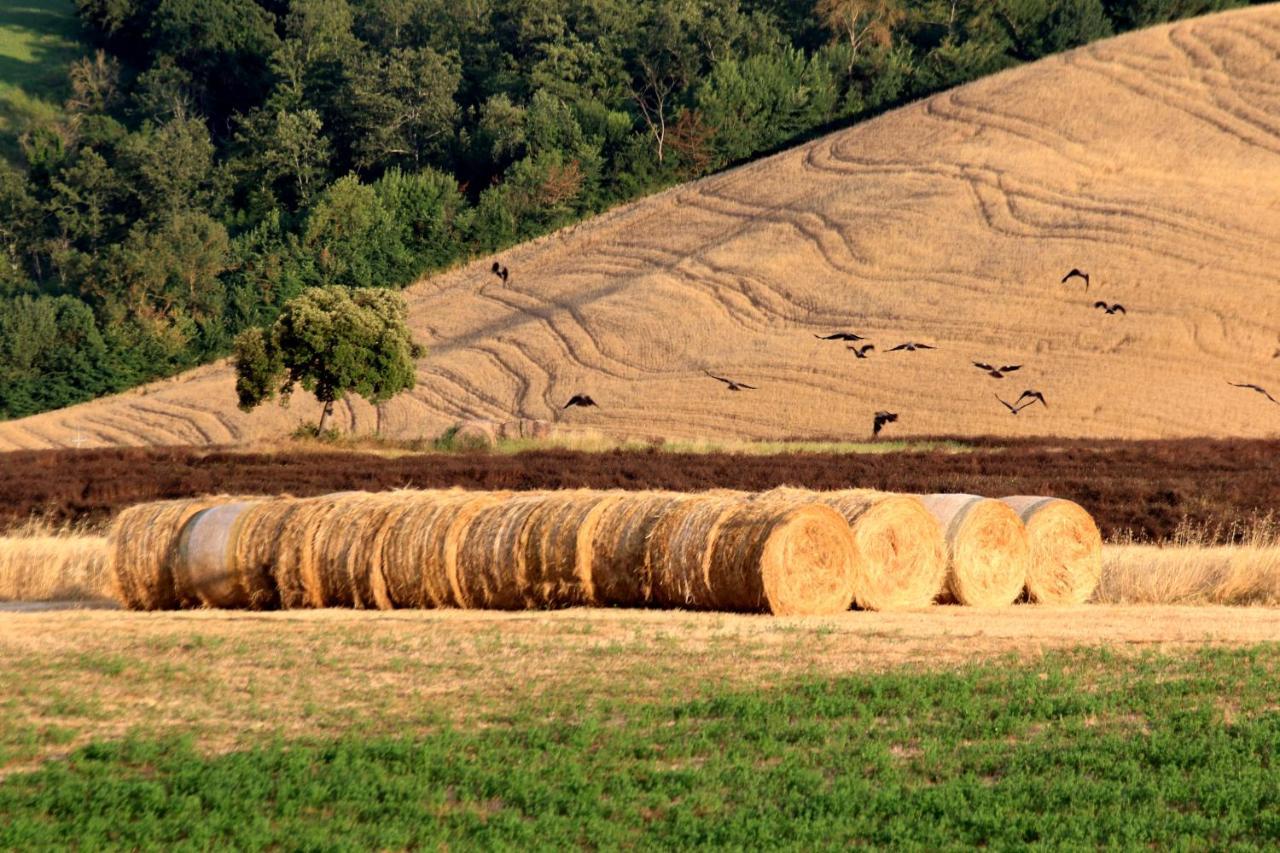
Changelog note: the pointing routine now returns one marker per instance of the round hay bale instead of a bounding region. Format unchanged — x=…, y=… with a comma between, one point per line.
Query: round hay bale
x=1066, y=549
x=558, y=547
x=771, y=554
x=143, y=542
x=264, y=530
x=784, y=559
x=302, y=572
x=419, y=546
x=678, y=551
x=475, y=435
x=491, y=564
x=351, y=557
x=988, y=552
x=901, y=556
x=206, y=558
x=622, y=575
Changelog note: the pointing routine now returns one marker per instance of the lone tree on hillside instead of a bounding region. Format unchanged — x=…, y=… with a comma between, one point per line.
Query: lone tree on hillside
x=332, y=341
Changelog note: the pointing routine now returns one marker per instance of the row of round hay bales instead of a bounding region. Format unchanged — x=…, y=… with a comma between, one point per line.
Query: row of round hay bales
x=785, y=551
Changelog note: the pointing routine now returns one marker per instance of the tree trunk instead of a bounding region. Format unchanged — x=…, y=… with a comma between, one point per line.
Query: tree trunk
x=325, y=414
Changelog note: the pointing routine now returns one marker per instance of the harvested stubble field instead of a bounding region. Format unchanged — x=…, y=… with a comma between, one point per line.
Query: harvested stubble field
x=1150, y=160
x=1149, y=489
x=622, y=727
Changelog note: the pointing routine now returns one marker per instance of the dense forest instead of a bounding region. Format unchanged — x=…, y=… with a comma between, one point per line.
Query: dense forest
x=215, y=157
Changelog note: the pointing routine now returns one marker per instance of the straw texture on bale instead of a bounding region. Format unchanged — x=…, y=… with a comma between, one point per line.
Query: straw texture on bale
x=901, y=556
x=144, y=542
x=55, y=568
x=988, y=553
x=475, y=435
x=1066, y=549
x=622, y=574
x=207, y=564
x=419, y=546
x=754, y=554
x=492, y=570
x=557, y=548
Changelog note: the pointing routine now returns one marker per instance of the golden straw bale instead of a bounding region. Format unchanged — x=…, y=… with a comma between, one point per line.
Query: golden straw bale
x=901, y=556
x=475, y=435
x=143, y=542
x=55, y=568
x=207, y=560
x=491, y=564
x=262, y=536
x=352, y=556
x=419, y=546
x=770, y=553
x=558, y=547
x=1066, y=549
x=622, y=575
x=301, y=528
x=988, y=551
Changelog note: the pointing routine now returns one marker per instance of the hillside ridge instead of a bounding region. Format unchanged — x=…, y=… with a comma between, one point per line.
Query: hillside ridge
x=1151, y=160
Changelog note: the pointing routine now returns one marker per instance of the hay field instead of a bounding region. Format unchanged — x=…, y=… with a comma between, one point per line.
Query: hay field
x=1151, y=160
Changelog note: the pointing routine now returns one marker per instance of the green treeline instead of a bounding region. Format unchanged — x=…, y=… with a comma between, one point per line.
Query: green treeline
x=216, y=157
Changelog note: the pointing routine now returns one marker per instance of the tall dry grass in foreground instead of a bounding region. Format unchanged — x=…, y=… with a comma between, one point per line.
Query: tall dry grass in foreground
x=1189, y=570
x=43, y=563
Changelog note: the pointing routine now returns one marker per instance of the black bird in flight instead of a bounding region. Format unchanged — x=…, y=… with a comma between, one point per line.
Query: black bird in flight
x=997, y=372
x=580, y=400
x=911, y=347
x=504, y=274
x=1117, y=308
x=733, y=386
x=497, y=269
x=1018, y=406
x=1258, y=388
x=881, y=419
x=861, y=352
x=1075, y=273
x=840, y=336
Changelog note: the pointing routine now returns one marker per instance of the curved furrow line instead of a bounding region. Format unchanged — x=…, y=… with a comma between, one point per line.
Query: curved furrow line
x=186, y=424
x=948, y=108
x=40, y=439
x=616, y=366
x=729, y=288
x=104, y=427
x=545, y=378
x=222, y=420
x=524, y=387
x=1213, y=118
x=1224, y=95
x=468, y=391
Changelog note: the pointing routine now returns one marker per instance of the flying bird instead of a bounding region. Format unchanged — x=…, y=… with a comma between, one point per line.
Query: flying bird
x=733, y=386
x=504, y=274
x=861, y=352
x=1018, y=406
x=881, y=419
x=580, y=400
x=1031, y=397
x=497, y=268
x=1117, y=308
x=997, y=372
x=1075, y=273
x=1258, y=388
x=840, y=336
x=911, y=347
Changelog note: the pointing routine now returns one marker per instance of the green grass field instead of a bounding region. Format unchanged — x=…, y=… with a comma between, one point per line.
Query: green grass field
x=39, y=39
x=1076, y=748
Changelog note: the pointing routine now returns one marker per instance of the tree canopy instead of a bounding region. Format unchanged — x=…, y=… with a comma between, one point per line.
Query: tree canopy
x=332, y=341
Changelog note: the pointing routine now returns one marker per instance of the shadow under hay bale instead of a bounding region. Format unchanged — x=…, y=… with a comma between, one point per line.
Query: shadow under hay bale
x=1066, y=549
x=988, y=551
x=901, y=556
x=143, y=546
x=736, y=552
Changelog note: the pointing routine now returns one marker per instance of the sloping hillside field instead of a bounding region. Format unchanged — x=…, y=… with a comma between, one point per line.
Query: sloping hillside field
x=1150, y=162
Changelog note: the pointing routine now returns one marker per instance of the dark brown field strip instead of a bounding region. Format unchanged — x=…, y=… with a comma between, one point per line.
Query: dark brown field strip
x=1144, y=487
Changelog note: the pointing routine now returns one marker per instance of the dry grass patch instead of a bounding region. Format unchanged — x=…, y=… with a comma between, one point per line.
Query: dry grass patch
x=43, y=563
